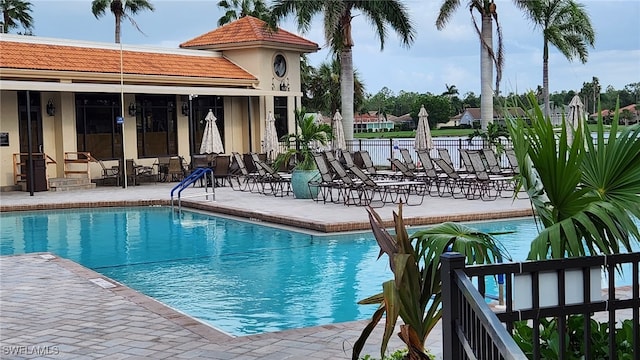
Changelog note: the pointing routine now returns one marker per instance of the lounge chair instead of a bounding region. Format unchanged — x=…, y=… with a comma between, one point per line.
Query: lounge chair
x=244, y=180
x=466, y=160
x=271, y=181
x=391, y=191
x=221, y=165
x=328, y=183
x=371, y=170
x=488, y=186
x=408, y=160
x=493, y=163
x=456, y=184
x=109, y=175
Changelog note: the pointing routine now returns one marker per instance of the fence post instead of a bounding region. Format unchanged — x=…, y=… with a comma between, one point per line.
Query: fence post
x=450, y=305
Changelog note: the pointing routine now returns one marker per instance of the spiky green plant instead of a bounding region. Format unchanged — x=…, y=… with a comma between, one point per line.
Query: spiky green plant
x=310, y=133
x=415, y=292
x=585, y=194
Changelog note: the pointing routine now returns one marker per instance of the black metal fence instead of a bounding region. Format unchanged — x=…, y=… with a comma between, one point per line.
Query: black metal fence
x=381, y=150
x=535, y=290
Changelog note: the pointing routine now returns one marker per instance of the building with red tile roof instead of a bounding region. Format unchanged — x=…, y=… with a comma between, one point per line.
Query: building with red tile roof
x=83, y=96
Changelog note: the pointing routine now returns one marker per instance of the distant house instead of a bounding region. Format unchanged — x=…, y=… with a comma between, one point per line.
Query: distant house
x=635, y=114
x=403, y=121
x=472, y=116
x=371, y=122
x=453, y=122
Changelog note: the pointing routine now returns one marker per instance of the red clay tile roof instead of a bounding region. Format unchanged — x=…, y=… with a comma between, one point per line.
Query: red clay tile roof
x=245, y=30
x=35, y=56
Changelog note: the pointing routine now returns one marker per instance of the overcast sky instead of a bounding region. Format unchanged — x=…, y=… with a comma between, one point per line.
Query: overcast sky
x=436, y=58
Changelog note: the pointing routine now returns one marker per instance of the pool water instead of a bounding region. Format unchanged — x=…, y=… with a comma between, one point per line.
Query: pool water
x=242, y=278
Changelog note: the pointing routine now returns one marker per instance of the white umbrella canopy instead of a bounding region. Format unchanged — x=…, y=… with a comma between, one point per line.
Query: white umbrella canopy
x=270, y=143
x=423, y=139
x=211, y=142
x=575, y=116
x=338, y=133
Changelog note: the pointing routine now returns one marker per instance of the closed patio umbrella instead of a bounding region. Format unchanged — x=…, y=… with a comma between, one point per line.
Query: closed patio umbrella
x=423, y=139
x=270, y=143
x=338, y=133
x=211, y=141
x=574, y=117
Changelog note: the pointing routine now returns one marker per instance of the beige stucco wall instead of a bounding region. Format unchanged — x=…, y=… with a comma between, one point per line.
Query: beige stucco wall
x=8, y=124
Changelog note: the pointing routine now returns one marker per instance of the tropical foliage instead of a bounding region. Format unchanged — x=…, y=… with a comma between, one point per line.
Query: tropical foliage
x=585, y=195
x=415, y=292
x=14, y=13
x=321, y=88
x=121, y=9
x=236, y=9
x=302, y=144
x=565, y=24
x=574, y=334
x=337, y=18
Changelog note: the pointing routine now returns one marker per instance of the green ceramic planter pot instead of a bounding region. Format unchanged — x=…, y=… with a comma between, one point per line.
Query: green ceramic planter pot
x=300, y=183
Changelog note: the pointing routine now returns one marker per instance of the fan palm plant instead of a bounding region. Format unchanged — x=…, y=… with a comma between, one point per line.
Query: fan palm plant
x=415, y=292
x=585, y=195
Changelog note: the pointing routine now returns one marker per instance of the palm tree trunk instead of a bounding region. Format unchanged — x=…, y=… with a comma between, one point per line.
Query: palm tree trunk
x=545, y=79
x=117, y=29
x=486, y=73
x=346, y=89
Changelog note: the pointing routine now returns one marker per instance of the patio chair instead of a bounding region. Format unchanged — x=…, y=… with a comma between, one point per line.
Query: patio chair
x=371, y=170
x=109, y=175
x=221, y=165
x=390, y=191
x=455, y=184
x=487, y=186
x=138, y=174
x=408, y=160
x=493, y=163
x=244, y=180
x=163, y=168
x=513, y=161
x=271, y=181
x=176, y=169
x=466, y=160
x=328, y=182
x=432, y=175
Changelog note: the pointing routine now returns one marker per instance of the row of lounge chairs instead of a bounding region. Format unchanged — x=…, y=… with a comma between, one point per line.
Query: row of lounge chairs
x=352, y=178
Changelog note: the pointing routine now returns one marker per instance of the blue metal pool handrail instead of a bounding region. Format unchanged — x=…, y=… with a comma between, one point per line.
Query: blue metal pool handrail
x=196, y=175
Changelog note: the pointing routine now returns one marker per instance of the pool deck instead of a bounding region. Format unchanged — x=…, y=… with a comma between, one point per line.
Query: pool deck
x=54, y=308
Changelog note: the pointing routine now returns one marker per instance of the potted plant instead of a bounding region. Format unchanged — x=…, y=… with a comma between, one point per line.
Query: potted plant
x=309, y=136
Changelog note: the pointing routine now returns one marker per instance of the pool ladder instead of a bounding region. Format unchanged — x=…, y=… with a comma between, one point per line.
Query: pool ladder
x=197, y=174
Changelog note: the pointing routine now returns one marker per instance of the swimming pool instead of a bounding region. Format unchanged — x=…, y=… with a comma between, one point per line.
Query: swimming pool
x=243, y=278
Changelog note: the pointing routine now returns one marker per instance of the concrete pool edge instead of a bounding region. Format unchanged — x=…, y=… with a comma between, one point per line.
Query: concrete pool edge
x=293, y=221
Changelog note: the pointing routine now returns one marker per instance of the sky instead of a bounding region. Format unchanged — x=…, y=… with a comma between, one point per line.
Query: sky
x=436, y=58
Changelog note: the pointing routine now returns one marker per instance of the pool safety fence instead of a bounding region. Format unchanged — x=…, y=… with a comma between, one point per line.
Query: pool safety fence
x=555, y=288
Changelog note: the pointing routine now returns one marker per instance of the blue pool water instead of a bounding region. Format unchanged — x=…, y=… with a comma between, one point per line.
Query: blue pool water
x=240, y=277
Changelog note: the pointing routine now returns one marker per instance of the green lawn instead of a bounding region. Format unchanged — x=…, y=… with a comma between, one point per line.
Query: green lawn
x=410, y=134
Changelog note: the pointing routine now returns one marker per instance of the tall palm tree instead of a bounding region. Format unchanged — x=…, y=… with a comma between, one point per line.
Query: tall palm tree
x=236, y=9
x=120, y=9
x=338, y=15
x=488, y=57
x=16, y=12
x=566, y=25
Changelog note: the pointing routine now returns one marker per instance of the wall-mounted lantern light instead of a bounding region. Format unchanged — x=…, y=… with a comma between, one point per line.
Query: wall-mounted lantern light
x=185, y=109
x=132, y=109
x=51, y=109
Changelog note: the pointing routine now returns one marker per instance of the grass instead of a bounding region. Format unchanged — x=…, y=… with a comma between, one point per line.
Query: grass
x=412, y=133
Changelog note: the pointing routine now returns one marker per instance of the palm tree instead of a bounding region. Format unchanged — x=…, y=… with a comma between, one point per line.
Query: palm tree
x=584, y=196
x=488, y=57
x=566, y=25
x=16, y=12
x=322, y=84
x=337, y=31
x=120, y=9
x=236, y=9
